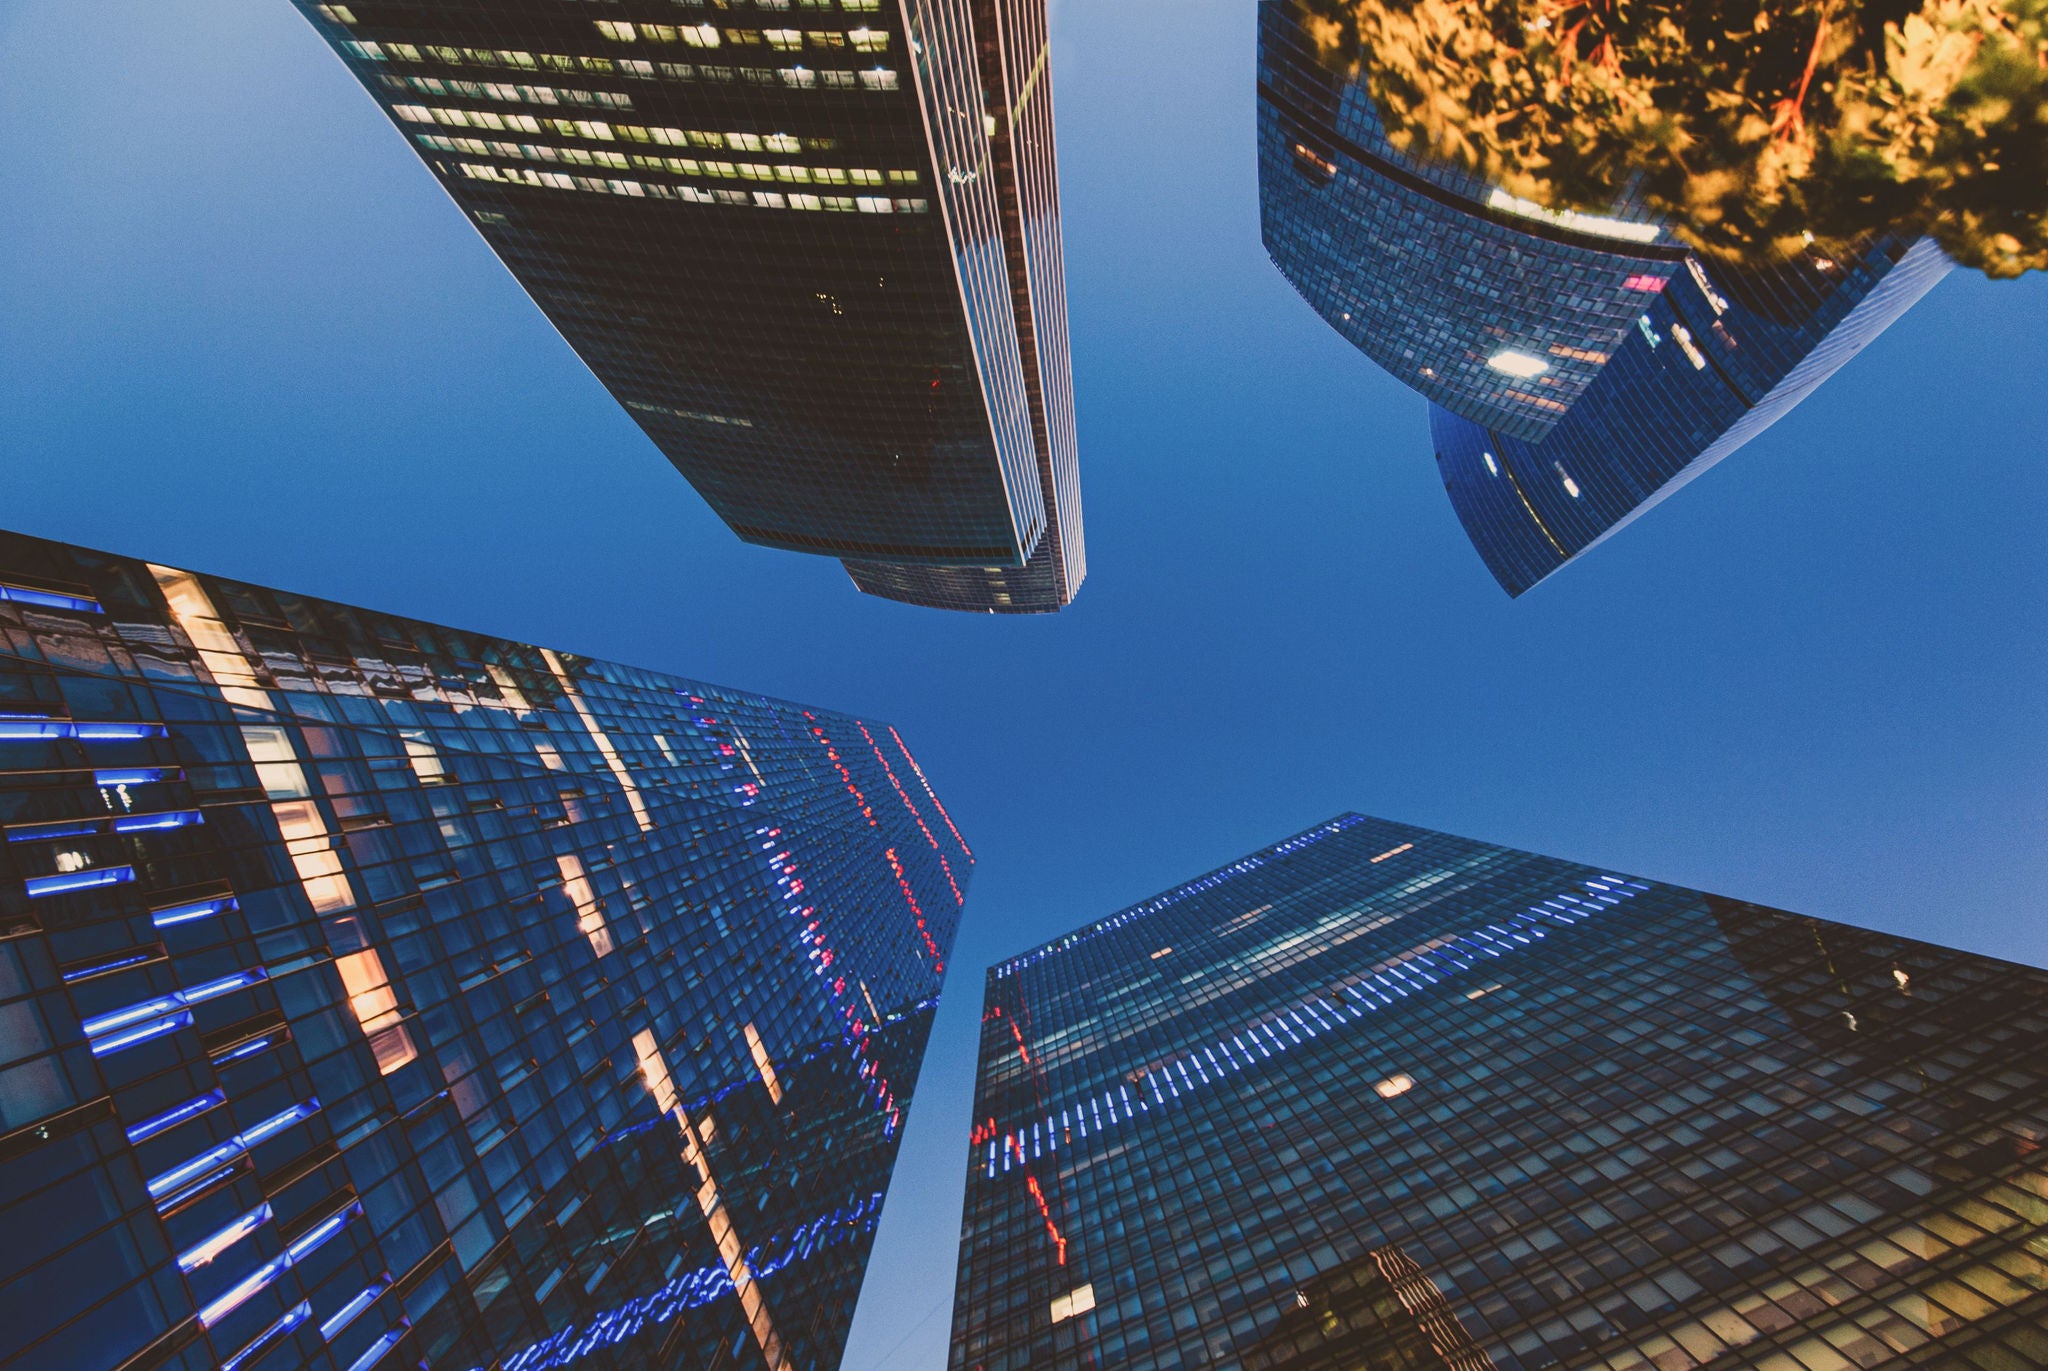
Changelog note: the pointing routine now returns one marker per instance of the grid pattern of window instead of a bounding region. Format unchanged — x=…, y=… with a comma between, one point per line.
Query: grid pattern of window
x=1379, y=1096
x=377, y=994
x=1579, y=367
x=784, y=234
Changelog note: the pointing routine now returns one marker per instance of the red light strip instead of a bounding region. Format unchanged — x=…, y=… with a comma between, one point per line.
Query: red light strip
x=904, y=795
x=934, y=794
x=910, y=898
x=847, y=776
x=1046, y=1211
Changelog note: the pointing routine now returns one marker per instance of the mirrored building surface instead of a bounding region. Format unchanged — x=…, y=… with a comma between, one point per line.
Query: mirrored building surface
x=1377, y=1096
x=812, y=247
x=377, y=994
x=1579, y=367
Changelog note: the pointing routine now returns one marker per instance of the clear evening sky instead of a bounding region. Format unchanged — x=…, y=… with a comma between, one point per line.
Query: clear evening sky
x=242, y=330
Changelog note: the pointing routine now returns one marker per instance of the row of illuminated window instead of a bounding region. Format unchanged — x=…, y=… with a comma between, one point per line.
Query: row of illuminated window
x=515, y=94
x=799, y=78
x=709, y=36
x=762, y=199
x=677, y=166
x=600, y=130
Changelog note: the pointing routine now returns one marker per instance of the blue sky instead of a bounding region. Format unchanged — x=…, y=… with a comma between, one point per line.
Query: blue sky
x=242, y=330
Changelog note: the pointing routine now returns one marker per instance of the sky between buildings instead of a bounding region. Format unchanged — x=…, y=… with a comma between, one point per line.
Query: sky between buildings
x=242, y=330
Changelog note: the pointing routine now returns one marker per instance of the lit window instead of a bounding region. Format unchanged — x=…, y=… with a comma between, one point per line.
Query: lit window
x=1492, y=467
x=589, y=916
x=1571, y=487
x=1075, y=1302
x=340, y=14
x=763, y=1064
x=1692, y=349
x=1161, y=953
x=616, y=31
x=1699, y=277
x=426, y=762
x=1517, y=364
x=654, y=1071
x=1598, y=224
x=375, y=1005
x=1394, y=1085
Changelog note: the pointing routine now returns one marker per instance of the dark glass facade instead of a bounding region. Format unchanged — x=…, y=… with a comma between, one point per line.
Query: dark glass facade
x=812, y=246
x=375, y=994
x=1579, y=367
x=1380, y=1097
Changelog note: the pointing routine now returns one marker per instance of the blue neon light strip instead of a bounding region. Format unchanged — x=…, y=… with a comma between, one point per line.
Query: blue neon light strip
x=187, y=913
x=170, y=1023
x=204, y=1251
x=239, y=1294
x=177, y=1177
x=226, y=985
x=99, y=1025
x=377, y=1349
x=346, y=1315
x=313, y=1238
x=694, y=1289
x=42, y=833
x=170, y=818
x=49, y=599
x=137, y=775
x=39, y=886
x=261, y=1343
x=117, y=964
x=23, y=729
x=219, y=1153
x=247, y=1049
x=1417, y=970
x=175, y=1115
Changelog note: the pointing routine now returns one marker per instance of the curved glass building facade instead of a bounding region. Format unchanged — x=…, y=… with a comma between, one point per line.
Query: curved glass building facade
x=1579, y=367
x=375, y=994
x=1377, y=1096
x=813, y=249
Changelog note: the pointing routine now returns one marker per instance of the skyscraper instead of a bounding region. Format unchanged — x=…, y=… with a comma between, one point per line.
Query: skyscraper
x=812, y=246
x=1579, y=367
x=1376, y=1096
x=377, y=994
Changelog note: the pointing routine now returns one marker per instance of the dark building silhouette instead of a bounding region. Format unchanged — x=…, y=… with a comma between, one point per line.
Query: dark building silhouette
x=813, y=248
x=1579, y=367
x=1379, y=1097
x=377, y=994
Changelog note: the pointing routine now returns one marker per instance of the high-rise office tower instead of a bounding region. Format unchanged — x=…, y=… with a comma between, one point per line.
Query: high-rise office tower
x=1376, y=1096
x=812, y=246
x=375, y=995
x=1579, y=367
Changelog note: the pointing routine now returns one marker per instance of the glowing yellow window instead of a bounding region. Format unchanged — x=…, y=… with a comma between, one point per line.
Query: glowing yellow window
x=763, y=1064
x=589, y=917
x=375, y=1005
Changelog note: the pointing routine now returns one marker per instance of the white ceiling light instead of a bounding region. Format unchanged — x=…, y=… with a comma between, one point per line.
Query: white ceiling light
x=1519, y=364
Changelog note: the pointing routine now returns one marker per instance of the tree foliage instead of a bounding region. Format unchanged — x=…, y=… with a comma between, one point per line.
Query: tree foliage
x=1745, y=124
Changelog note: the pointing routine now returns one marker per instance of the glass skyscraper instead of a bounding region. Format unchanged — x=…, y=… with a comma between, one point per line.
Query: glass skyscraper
x=374, y=994
x=812, y=246
x=1376, y=1096
x=1579, y=367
